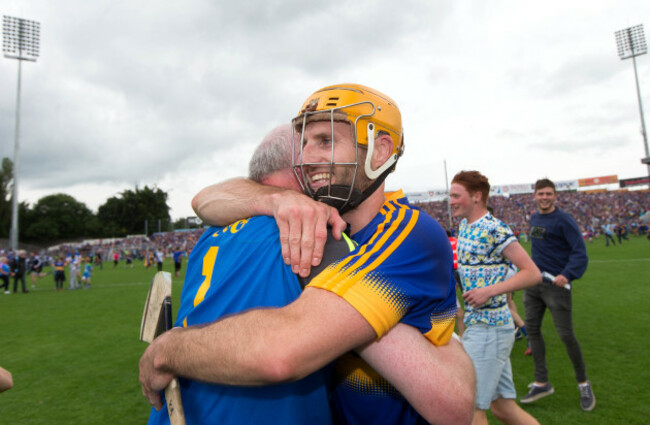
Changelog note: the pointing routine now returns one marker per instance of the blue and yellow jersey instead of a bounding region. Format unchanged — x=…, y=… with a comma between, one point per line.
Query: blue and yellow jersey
x=59, y=266
x=232, y=269
x=401, y=271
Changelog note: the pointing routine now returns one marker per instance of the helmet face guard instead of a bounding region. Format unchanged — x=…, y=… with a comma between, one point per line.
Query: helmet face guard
x=336, y=195
x=368, y=113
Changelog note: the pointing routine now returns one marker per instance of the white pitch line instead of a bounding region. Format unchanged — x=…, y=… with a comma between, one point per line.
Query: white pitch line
x=629, y=260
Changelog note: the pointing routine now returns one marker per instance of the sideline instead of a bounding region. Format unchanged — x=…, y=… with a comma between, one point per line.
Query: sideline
x=629, y=260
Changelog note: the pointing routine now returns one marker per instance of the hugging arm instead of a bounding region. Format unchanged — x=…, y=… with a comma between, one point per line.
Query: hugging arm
x=257, y=347
x=267, y=346
x=303, y=222
x=438, y=381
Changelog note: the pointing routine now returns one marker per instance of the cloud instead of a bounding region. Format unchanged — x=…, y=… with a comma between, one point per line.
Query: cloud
x=178, y=94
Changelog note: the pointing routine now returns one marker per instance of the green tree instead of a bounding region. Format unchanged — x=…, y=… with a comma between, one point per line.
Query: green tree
x=126, y=214
x=58, y=217
x=6, y=188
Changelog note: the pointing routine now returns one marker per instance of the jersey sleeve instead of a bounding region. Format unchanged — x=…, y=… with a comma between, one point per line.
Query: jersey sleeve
x=403, y=272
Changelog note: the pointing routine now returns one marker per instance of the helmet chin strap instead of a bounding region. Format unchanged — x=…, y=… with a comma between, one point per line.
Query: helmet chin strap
x=336, y=194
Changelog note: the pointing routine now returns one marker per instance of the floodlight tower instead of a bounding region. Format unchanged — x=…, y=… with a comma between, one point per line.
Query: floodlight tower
x=631, y=43
x=20, y=38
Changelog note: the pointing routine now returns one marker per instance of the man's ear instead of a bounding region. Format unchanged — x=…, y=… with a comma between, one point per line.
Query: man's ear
x=382, y=151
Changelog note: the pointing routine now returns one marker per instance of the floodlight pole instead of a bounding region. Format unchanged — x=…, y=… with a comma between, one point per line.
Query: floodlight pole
x=643, y=130
x=21, y=42
x=13, y=235
x=631, y=43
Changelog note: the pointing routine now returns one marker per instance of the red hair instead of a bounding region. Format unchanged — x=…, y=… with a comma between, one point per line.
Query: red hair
x=473, y=182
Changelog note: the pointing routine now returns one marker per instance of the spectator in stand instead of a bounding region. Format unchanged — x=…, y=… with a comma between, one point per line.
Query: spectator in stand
x=586, y=207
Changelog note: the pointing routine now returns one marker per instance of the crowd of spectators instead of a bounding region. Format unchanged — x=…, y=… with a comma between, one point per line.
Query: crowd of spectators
x=592, y=210
x=137, y=247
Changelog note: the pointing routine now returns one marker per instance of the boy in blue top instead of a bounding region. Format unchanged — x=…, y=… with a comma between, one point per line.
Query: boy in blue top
x=88, y=271
x=558, y=249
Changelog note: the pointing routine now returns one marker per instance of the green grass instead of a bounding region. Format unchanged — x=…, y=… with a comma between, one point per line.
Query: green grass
x=611, y=319
x=74, y=354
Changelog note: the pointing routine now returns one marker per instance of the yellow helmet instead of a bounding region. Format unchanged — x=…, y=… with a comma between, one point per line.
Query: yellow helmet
x=369, y=113
x=367, y=110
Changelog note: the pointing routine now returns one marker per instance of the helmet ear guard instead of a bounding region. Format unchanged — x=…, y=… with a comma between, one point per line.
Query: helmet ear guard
x=390, y=162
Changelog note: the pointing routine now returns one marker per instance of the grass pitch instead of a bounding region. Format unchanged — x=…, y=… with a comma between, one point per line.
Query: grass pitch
x=611, y=317
x=74, y=354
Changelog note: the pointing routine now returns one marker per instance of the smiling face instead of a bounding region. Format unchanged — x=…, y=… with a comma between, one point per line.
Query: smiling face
x=330, y=157
x=545, y=199
x=462, y=203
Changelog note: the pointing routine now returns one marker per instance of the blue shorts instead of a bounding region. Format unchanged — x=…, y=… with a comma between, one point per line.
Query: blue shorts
x=489, y=348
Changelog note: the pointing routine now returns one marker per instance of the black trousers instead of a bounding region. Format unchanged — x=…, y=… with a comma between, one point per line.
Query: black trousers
x=5, y=282
x=20, y=277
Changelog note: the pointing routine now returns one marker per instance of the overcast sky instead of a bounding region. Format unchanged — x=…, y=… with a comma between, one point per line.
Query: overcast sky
x=176, y=94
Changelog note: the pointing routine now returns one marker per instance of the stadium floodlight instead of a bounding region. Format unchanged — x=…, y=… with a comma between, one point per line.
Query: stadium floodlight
x=20, y=40
x=631, y=43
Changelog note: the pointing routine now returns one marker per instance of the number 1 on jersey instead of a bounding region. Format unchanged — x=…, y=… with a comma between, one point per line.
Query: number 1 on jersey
x=208, y=267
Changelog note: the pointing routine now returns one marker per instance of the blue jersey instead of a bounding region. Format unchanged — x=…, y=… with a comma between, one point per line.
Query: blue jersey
x=59, y=266
x=401, y=271
x=232, y=269
x=88, y=270
x=177, y=256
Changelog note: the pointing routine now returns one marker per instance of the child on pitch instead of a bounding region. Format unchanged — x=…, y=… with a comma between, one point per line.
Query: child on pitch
x=85, y=278
x=59, y=273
